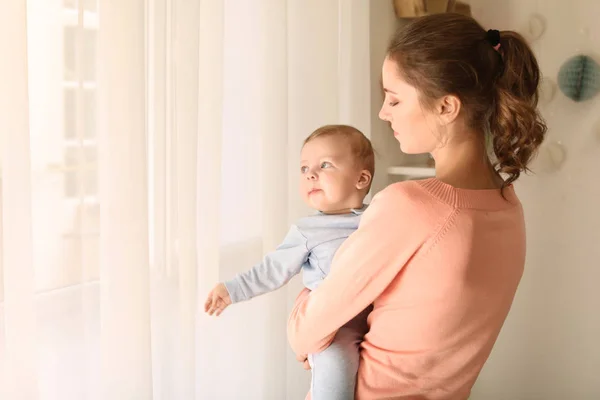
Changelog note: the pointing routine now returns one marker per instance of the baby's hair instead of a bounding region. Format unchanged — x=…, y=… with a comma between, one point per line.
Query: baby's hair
x=362, y=150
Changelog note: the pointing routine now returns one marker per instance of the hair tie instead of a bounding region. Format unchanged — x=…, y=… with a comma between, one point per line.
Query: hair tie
x=493, y=37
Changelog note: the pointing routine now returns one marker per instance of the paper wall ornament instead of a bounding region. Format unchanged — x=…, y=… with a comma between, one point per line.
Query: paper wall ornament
x=534, y=28
x=596, y=130
x=550, y=157
x=579, y=78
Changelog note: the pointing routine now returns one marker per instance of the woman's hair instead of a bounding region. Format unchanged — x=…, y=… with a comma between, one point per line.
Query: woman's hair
x=450, y=53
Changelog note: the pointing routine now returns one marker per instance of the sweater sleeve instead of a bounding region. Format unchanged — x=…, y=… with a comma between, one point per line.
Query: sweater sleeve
x=275, y=270
x=366, y=263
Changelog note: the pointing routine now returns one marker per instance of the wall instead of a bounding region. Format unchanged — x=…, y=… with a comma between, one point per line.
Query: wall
x=383, y=25
x=548, y=348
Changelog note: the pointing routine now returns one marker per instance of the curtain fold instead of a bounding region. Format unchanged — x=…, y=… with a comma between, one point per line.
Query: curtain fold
x=208, y=189
x=187, y=52
x=17, y=316
x=123, y=196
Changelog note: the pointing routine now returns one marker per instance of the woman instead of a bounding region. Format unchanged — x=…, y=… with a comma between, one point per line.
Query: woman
x=439, y=259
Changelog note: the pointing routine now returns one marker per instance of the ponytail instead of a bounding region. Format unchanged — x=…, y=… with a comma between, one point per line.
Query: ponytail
x=516, y=126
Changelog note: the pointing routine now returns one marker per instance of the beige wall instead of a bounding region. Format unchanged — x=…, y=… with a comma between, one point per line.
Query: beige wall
x=549, y=347
x=383, y=24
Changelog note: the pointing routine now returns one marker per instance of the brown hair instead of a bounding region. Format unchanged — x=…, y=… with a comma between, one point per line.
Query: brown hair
x=449, y=53
x=361, y=147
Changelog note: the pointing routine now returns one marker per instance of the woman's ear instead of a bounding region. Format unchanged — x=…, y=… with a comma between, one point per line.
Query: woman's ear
x=448, y=108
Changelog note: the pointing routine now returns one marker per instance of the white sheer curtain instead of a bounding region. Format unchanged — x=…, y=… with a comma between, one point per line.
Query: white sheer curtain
x=149, y=149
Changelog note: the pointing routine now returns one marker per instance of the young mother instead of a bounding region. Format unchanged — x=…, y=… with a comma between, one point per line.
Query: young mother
x=439, y=259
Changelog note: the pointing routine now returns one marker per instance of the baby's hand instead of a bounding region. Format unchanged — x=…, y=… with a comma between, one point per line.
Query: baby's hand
x=217, y=301
x=303, y=358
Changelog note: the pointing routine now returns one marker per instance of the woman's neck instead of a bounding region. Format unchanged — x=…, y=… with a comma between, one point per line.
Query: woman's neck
x=464, y=164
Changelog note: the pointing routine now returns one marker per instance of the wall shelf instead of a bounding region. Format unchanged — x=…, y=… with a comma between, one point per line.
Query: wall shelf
x=420, y=8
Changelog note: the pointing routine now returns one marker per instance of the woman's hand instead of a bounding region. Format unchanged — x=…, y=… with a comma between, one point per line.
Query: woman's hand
x=303, y=358
x=217, y=301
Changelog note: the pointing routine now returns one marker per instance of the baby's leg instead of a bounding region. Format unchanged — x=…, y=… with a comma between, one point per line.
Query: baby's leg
x=334, y=369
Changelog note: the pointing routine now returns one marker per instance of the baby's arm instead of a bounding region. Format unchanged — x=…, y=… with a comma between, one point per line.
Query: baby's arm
x=275, y=270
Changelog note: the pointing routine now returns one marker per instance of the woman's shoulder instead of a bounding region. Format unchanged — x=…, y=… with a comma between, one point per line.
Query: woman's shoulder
x=406, y=193
x=438, y=195
x=408, y=201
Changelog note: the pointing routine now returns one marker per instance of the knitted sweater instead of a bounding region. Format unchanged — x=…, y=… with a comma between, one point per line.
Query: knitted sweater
x=441, y=267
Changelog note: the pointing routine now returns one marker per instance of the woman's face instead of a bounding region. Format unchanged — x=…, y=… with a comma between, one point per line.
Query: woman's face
x=415, y=127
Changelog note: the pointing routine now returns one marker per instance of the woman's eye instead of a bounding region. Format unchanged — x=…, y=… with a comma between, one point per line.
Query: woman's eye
x=393, y=103
x=325, y=164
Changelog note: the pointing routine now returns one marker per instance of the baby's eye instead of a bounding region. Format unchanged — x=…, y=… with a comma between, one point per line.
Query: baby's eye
x=303, y=169
x=325, y=164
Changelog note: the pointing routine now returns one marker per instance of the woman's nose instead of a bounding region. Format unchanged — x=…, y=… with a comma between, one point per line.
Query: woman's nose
x=383, y=115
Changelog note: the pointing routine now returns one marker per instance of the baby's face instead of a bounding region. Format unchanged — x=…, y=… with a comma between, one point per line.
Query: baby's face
x=329, y=175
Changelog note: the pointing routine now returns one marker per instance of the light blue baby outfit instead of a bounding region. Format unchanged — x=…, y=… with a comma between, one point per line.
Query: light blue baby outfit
x=309, y=248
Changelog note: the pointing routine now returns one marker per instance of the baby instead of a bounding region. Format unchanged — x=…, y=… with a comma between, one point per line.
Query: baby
x=335, y=176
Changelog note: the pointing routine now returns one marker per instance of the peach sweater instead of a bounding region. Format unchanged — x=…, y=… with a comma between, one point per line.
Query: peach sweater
x=441, y=266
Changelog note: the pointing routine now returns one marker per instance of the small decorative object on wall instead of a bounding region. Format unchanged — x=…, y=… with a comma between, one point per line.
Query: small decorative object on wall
x=596, y=131
x=534, y=28
x=550, y=157
x=546, y=91
x=579, y=78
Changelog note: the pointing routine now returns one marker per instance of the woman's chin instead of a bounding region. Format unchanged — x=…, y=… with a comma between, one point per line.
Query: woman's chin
x=408, y=148
x=405, y=147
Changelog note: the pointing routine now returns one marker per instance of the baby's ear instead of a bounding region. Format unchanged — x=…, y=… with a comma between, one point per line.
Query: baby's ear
x=364, y=179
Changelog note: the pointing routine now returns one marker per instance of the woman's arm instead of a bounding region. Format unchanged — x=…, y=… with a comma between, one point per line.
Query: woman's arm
x=363, y=267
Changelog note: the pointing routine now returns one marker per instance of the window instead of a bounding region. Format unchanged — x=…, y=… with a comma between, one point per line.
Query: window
x=79, y=100
x=63, y=104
